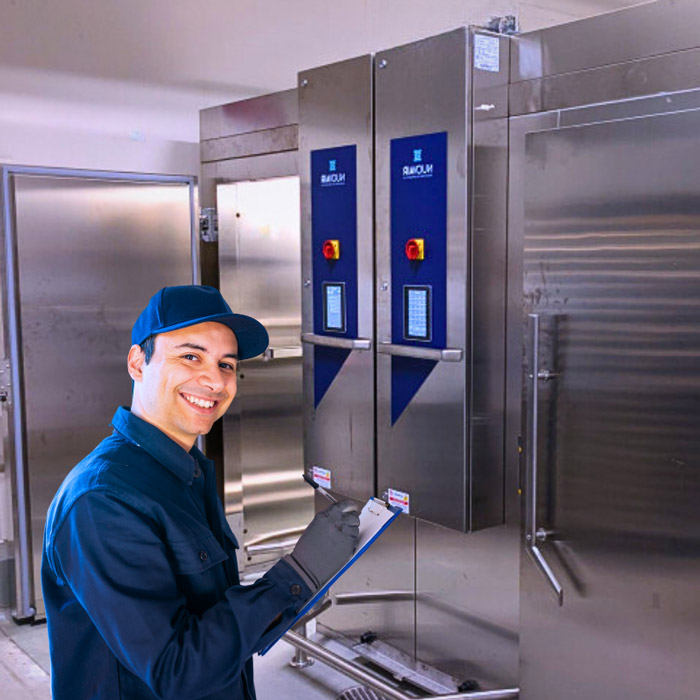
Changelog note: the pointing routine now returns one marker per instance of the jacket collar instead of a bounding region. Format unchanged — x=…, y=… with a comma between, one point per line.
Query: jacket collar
x=157, y=444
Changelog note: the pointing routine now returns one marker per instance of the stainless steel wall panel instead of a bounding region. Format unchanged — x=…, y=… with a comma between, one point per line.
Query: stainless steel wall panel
x=612, y=256
x=649, y=29
x=378, y=592
x=335, y=110
x=260, y=167
x=90, y=253
x=627, y=81
x=629, y=109
x=467, y=607
x=256, y=114
x=283, y=138
x=259, y=255
x=515, y=311
x=488, y=204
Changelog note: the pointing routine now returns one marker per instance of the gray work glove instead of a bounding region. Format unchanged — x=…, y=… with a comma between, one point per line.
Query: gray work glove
x=326, y=544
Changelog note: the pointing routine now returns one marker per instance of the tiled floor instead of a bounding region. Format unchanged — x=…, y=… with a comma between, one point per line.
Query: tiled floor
x=24, y=669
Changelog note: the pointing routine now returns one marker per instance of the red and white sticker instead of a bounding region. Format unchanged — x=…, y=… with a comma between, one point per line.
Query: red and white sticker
x=398, y=499
x=322, y=477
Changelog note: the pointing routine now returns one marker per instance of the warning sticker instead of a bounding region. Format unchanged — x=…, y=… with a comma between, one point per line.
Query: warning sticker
x=487, y=53
x=322, y=477
x=399, y=499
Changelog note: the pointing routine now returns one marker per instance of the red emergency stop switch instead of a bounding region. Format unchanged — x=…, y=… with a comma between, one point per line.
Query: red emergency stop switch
x=415, y=249
x=331, y=249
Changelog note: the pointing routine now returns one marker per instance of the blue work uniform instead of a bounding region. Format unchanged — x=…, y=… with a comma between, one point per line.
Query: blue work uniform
x=140, y=581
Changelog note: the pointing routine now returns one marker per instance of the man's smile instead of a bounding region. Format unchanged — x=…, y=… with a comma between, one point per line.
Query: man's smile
x=206, y=405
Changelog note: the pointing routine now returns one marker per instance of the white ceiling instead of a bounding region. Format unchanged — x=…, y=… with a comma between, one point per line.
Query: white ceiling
x=236, y=46
x=141, y=68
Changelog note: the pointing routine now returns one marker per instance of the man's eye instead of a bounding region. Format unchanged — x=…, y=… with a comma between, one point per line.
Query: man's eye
x=227, y=366
x=189, y=356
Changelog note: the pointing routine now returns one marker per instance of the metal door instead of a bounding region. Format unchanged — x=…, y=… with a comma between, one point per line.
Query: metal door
x=259, y=258
x=335, y=163
x=440, y=278
x=84, y=252
x=612, y=286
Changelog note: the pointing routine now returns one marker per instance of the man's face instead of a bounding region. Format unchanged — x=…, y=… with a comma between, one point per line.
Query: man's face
x=189, y=382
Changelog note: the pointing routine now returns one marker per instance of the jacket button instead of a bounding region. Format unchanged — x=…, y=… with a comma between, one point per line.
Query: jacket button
x=203, y=555
x=295, y=589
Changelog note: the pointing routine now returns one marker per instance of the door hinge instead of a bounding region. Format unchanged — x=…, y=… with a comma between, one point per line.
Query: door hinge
x=5, y=383
x=208, y=225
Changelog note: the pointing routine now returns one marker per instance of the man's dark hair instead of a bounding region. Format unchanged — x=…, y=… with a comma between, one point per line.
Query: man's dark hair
x=148, y=346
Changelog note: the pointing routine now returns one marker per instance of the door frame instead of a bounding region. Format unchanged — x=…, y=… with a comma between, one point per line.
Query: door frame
x=24, y=606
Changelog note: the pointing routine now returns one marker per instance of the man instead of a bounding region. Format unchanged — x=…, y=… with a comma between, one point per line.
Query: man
x=139, y=572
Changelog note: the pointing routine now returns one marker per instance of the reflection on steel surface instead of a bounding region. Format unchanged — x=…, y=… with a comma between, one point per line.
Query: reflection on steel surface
x=374, y=681
x=612, y=249
x=405, y=668
x=90, y=252
x=259, y=247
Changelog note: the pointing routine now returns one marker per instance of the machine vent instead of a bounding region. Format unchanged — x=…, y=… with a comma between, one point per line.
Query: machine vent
x=359, y=693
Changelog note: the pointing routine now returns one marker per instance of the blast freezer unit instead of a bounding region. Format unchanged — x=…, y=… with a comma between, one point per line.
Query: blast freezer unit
x=336, y=162
x=441, y=110
x=604, y=204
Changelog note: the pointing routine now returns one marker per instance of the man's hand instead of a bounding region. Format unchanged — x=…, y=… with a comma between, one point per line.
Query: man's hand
x=326, y=544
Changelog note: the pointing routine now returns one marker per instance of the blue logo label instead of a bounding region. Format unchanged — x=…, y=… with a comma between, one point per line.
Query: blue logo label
x=332, y=177
x=417, y=169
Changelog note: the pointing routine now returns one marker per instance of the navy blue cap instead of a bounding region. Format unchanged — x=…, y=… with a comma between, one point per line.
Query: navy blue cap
x=178, y=307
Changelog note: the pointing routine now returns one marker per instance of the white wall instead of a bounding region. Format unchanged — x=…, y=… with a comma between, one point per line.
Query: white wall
x=118, y=84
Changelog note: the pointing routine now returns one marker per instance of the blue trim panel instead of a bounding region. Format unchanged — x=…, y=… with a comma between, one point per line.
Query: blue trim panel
x=334, y=216
x=407, y=376
x=327, y=364
x=419, y=210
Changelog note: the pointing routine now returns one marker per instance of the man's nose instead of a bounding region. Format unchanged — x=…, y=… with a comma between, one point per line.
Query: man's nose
x=211, y=377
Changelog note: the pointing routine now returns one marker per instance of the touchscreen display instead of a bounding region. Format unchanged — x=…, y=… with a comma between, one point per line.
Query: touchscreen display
x=334, y=306
x=417, y=313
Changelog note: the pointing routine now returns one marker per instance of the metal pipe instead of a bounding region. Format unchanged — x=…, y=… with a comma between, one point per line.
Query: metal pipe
x=362, y=675
x=331, y=342
x=371, y=597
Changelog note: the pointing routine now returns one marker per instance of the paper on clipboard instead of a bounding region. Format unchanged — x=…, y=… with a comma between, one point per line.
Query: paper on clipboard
x=375, y=517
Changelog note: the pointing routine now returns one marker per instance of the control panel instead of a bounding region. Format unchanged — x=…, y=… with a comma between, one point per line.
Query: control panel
x=419, y=239
x=334, y=240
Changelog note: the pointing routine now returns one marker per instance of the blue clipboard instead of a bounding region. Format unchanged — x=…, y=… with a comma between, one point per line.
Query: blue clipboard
x=376, y=516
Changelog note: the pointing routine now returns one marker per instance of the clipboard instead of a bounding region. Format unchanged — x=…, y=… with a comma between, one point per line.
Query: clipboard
x=375, y=517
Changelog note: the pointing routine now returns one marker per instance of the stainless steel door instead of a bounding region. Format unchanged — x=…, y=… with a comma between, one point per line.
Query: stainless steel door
x=86, y=255
x=612, y=283
x=440, y=361
x=335, y=126
x=259, y=258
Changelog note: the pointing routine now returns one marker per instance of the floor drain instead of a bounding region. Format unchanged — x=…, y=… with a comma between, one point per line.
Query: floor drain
x=359, y=693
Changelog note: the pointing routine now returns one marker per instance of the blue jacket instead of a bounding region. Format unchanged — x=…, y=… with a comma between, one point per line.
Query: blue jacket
x=140, y=581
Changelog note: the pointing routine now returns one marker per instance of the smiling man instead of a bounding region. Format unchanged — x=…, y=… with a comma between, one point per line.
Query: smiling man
x=139, y=572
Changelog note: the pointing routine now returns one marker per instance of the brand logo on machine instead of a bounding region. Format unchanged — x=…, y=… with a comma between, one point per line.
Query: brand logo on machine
x=332, y=177
x=418, y=169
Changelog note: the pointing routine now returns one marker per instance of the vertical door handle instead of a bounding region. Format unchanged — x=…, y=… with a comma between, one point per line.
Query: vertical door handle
x=533, y=534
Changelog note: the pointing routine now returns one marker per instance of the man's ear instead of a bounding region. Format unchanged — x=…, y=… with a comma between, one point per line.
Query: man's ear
x=135, y=362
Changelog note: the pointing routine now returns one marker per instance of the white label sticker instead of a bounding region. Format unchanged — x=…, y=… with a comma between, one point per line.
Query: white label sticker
x=398, y=499
x=487, y=53
x=322, y=477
